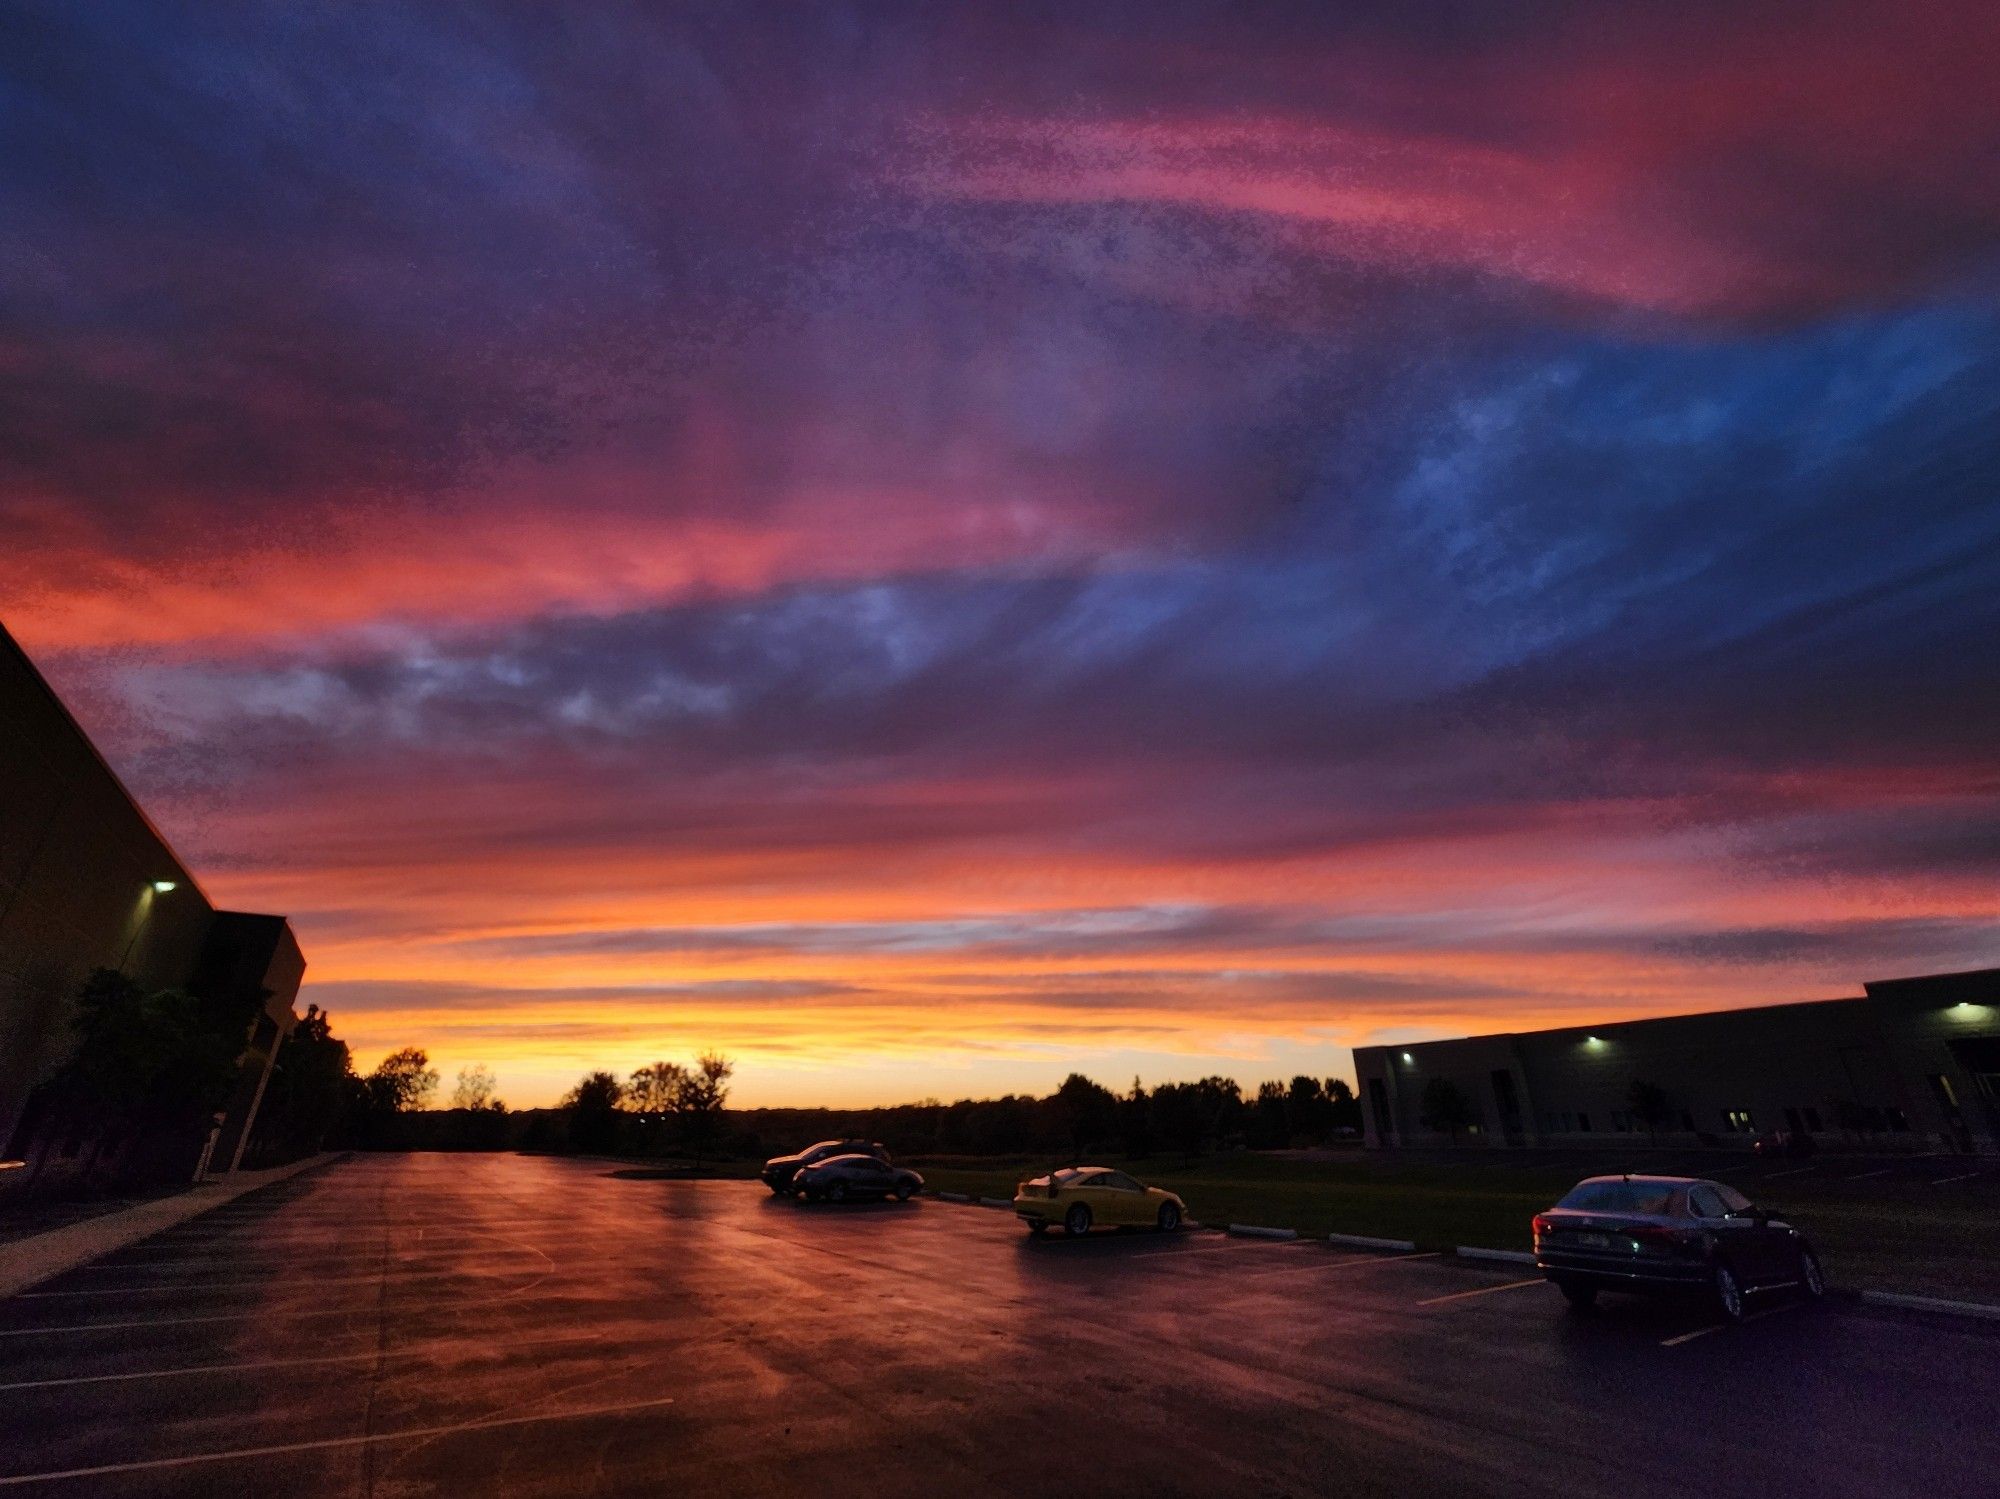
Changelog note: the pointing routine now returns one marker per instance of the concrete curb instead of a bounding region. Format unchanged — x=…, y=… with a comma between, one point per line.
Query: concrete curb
x=951, y=1197
x=1504, y=1256
x=1362, y=1241
x=996, y=1202
x=1977, y=1310
x=26, y=1262
x=1252, y=1231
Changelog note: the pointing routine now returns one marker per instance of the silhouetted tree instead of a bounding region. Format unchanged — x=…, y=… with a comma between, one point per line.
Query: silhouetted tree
x=1269, y=1128
x=698, y=1100
x=1135, y=1121
x=1308, y=1115
x=1445, y=1107
x=166, y=1053
x=593, y=1111
x=1343, y=1108
x=156, y=1065
x=402, y=1080
x=474, y=1089
x=653, y=1094
x=1086, y=1111
x=1183, y=1116
x=311, y=1082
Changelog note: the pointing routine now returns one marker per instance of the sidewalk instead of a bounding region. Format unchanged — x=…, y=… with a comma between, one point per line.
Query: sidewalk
x=37, y=1257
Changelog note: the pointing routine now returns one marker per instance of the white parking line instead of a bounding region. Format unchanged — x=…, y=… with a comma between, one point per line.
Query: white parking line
x=1512, y=1285
x=280, y=1448
x=76, y=1327
x=293, y=1266
x=1945, y=1181
x=184, y=1287
x=1332, y=1265
x=1863, y=1176
x=415, y=1351
x=1702, y=1332
x=1795, y=1171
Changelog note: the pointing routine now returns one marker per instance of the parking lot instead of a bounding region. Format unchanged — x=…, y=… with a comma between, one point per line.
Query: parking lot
x=410, y=1325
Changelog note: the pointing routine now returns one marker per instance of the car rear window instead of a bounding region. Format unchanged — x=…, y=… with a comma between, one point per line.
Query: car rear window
x=1624, y=1197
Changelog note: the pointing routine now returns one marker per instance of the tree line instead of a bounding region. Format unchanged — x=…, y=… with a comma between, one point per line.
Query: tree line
x=669, y=1111
x=157, y=1067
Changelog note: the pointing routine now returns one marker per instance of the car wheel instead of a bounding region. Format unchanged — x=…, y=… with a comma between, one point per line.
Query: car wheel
x=779, y=1190
x=1076, y=1222
x=902, y=1192
x=1728, y=1293
x=1170, y=1217
x=1038, y=1228
x=838, y=1192
x=1812, y=1279
x=1581, y=1295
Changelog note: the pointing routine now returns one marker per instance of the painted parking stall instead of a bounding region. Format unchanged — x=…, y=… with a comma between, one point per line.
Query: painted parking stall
x=425, y=1324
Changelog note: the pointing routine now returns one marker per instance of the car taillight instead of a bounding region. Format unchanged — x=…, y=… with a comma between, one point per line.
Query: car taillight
x=1543, y=1223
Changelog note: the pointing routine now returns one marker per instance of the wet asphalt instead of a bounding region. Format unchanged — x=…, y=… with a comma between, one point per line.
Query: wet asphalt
x=428, y=1324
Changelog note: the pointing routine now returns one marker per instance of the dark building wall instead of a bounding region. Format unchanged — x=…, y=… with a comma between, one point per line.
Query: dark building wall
x=1915, y=1063
x=78, y=865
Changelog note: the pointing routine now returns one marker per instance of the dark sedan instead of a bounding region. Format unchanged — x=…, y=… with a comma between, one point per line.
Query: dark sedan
x=856, y=1178
x=779, y=1171
x=1651, y=1234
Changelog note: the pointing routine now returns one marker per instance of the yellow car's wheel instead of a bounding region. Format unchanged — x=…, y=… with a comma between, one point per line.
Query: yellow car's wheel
x=1170, y=1217
x=1038, y=1228
x=1076, y=1222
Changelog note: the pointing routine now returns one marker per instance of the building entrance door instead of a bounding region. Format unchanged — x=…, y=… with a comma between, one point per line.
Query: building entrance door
x=1981, y=1059
x=1956, y=1133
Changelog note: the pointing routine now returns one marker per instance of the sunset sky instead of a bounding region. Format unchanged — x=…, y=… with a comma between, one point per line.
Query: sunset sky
x=929, y=546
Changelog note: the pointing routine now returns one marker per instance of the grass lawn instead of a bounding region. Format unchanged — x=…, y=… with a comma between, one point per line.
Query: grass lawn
x=1900, y=1234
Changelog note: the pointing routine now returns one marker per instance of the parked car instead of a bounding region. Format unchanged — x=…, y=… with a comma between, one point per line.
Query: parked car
x=1653, y=1234
x=1082, y=1197
x=779, y=1171
x=856, y=1178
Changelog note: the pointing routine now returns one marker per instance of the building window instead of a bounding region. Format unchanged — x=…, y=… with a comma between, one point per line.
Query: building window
x=1738, y=1122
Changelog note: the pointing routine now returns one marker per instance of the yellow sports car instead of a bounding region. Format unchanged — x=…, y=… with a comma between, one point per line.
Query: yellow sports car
x=1082, y=1197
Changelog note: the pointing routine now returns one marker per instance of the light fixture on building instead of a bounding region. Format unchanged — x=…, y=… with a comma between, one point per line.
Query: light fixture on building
x=1408, y=1058
x=1593, y=1040
x=163, y=887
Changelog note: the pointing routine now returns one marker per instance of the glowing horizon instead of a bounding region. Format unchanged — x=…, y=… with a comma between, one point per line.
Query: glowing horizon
x=931, y=552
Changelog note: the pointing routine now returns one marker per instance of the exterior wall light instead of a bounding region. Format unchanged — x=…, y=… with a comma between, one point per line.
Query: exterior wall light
x=164, y=886
x=1593, y=1040
x=1408, y=1058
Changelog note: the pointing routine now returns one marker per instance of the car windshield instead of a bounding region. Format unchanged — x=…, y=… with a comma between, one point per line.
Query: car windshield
x=1624, y=1197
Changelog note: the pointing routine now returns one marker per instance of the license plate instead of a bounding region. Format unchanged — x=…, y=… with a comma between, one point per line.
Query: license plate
x=1594, y=1241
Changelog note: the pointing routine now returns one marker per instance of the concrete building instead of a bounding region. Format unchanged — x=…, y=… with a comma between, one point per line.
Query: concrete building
x=1911, y=1064
x=87, y=882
